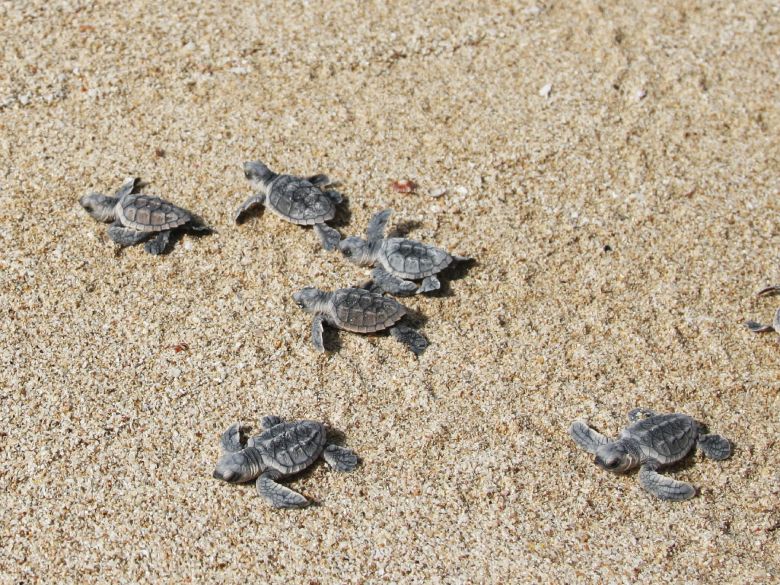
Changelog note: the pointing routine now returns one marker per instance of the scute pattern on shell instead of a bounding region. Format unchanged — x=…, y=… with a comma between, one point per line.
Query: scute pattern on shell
x=666, y=437
x=410, y=259
x=151, y=214
x=291, y=447
x=299, y=201
x=362, y=311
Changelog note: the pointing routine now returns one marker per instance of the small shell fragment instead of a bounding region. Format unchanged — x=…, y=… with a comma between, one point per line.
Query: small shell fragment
x=437, y=192
x=546, y=90
x=403, y=186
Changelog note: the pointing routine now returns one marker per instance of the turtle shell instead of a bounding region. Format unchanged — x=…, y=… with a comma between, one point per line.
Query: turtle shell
x=299, y=202
x=150, y=214
x=291, y=447
x=356, y=309
x=665, y=437
x=410, y=259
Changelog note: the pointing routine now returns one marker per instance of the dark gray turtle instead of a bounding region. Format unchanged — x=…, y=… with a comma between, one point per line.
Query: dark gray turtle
x=136, y=218
x=299, y=200
x=775, y=326
x=651, y=441
x=399, y=260
x=358, y=310
x=282, y=449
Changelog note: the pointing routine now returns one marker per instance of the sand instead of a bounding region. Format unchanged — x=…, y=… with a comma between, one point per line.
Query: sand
x=614, y=172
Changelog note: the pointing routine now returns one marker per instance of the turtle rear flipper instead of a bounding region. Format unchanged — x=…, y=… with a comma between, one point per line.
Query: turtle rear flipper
x=414, y=340
x=277, y=495
x=429, y=284
x=392, y=284
x=340, y=458
x=586, y=437
x=157, y=245
x=664, y=487
x=715, y=447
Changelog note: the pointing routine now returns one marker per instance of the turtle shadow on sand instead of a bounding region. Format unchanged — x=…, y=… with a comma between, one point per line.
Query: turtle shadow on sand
x=404, y=228
x=455, y=271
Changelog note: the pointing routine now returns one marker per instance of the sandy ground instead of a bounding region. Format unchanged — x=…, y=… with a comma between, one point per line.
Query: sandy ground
x=623, y=218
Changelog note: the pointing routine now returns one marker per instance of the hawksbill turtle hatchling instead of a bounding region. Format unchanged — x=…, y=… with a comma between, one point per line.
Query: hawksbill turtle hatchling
x=358, y=310
x=298, y=200
x=137, y=218
x=775, y=325
x=650, y=442
x=282, y=449
x=398, y=261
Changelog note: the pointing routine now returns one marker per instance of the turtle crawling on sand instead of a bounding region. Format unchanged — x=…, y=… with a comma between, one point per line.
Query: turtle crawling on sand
x=358, y=310
x=296, y=199
x=282, y=449
x=775, y=326
x=137, y=218
x=398, y=261
x=651, y=441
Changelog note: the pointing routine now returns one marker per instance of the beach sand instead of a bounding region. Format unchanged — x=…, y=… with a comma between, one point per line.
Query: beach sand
x=613, y=171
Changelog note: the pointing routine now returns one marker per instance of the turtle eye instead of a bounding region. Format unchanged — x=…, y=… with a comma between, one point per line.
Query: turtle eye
x=347, y=252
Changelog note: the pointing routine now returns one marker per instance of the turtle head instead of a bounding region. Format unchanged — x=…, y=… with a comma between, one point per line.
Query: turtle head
x=236, y=467
x=356, y=250
x=309, y=299
x=99, y=206
x=616, y=457
x=257, y=173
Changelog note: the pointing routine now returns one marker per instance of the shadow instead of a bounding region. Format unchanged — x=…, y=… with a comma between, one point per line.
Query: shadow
x=343, y=214
x=330, y=339
x=402, y=229
x=455, y=271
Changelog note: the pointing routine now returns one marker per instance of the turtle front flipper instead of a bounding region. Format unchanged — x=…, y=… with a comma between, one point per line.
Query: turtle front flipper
x=329, y=238
x=414, y=340
x=756, y=327
x=125, y=236
x=231, y=440
x=770, y=290
x=340, y=458
x=392, y=284
x=376, y=227
x=252, y=201
x=316, y=333
x=270, y=421
x=714, y=446
x=586, y=437
x=277, y=495
x=429, y=284
x=126, y=188
x=157, y=245
x=637, y=414
x=664, y=487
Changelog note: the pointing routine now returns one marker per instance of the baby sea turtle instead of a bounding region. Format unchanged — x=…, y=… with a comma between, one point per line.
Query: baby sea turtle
x=775, y=326
x=399, y=260
x=136, y=218
x=298, y=200
x=282, y=449
x=651, y=441
x=358, y=310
